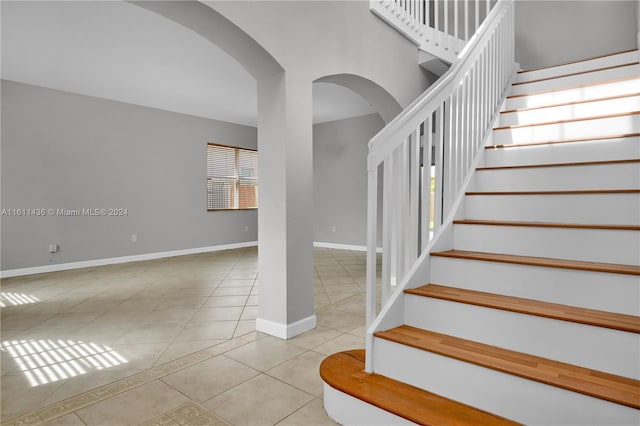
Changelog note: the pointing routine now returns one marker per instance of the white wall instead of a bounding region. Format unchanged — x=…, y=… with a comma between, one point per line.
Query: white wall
x=552, y=32
x=62, y=150
x=340, y=179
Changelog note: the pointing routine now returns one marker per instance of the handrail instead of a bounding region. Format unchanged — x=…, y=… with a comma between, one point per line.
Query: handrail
x=434, y=142
x=439, y=27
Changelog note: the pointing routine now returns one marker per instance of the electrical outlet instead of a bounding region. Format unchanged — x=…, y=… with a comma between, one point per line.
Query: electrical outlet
x=333, y=228
x=53, y=248
x=246, y=229
x=134, y=238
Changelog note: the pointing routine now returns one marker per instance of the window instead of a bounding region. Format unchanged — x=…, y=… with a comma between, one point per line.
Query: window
x=232, y=178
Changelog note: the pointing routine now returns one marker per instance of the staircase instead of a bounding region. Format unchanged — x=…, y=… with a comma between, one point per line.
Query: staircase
x=533, y=314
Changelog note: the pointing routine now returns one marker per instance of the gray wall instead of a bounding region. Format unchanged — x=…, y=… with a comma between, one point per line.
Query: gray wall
x=340, y=179
x=552, y=32
x=61, y=150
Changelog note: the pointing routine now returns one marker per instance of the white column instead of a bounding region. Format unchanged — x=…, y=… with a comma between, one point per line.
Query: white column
x=285, y=222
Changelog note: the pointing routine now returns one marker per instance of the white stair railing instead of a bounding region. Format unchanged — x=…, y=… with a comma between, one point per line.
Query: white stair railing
x=437, y=136
x=439, y=27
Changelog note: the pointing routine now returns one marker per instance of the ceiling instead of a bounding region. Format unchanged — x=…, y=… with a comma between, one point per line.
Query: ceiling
x=119, y=51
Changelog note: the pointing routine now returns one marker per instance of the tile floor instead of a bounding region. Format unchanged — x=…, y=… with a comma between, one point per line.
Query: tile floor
x=170, y=342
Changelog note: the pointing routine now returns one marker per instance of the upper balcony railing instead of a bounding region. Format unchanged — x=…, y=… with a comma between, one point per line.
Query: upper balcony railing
x=426, y=153
x=439, y=27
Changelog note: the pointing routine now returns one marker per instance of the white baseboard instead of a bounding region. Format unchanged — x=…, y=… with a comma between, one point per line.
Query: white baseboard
x=343, y=246
x=124, y=259
x=286, y=331
x=150, y=256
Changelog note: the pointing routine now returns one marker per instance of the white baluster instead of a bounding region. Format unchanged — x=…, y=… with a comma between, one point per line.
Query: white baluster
x=455, y=27
x=426, y=184
x=438, y=171
x=427, y=20
x=466, y=20
x=436, y=21
x=372, y=242
x=387, y=226
x=413, y=234
x=446, y=24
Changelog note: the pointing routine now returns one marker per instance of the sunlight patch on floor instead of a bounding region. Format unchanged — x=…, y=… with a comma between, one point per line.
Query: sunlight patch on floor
x=47, y=361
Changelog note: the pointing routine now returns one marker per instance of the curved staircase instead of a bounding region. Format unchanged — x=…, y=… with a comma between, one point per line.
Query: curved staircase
x=533, y=316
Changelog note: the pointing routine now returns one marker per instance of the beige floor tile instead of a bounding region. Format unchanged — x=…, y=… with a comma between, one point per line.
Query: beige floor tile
x=133, y=407
x=252, y=300
x=315, y=337
x=237, y=282
x=150, y=334
x=92, y=305
x=193, y=414
x=183, y=303
x=210, y=378
x=69, y=420
x=244, y=327
x=23, y=321
x=260, y=401
x=163, y=420
x=19, y=397
x=226, y=301
x=265, y=353
x=301, y=372
x=232, y=291
x=212, y=330
x=339, y=320
x=179, y=349
x=311, y=414
x=87, y=382
x=67, y=321
x=220, y=313
x=249, y=313
x=341, y=343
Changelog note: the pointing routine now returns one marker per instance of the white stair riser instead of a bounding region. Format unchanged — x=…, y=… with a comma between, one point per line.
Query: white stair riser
x=575, y=208
x=347, y=410
x=572, y=130
x=591, y=245
x=568, y=112
x=574, y=80
x=592, y=290
x=607, y=61
x=612, y=351
x=503, y=394
x=574, y=94
x=601, y=176
x=597, y=150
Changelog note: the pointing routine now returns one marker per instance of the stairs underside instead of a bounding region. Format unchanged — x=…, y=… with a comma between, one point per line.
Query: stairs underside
x=533, y=314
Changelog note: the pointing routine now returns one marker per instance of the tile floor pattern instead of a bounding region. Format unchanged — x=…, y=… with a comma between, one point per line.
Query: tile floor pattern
x=170, y=342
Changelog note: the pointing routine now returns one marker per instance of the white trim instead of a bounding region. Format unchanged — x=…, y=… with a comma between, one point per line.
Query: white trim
x=286, y=331
x=124, y=259
x=343, y=246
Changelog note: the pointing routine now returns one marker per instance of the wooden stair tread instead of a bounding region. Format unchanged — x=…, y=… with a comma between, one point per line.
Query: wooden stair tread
x=344, y=371
x=586, y=101
x=582, y=163
x=571, y=120
x=610, y=387
x=557, y=311
x=557, y=141
x=572, y=74
x=578, y=86
x=565, y=192
x=541, y=261
x=577, y=61
x=546, y=224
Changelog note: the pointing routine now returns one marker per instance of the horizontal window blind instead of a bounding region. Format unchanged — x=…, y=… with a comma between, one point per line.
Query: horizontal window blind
x=232, y=178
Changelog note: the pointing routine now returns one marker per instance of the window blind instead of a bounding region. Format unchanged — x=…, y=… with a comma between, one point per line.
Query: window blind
x=232, y=178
